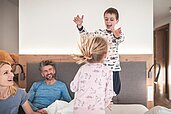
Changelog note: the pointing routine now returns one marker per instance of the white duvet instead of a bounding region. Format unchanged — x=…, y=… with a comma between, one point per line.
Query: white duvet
x=159, y=110
x=62, y=107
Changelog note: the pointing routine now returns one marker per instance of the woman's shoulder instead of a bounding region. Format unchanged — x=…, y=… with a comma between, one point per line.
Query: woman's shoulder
x=22, y=95
x=21, y=91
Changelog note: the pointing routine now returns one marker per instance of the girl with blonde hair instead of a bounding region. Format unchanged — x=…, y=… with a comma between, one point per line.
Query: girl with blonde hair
x=93, y=85
x=11, y=97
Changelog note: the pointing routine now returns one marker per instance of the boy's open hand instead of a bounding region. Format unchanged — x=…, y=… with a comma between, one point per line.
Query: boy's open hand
x=117, y=32
x=78, y=20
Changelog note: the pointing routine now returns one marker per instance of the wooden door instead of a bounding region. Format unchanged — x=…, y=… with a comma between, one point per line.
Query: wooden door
x=161, y=55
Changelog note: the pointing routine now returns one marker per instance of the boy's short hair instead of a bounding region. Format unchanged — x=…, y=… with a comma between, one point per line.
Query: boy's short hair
x=112, y=11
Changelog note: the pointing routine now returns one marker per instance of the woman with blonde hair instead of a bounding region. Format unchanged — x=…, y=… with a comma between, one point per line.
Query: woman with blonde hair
x=11, y=97
x=93, y=85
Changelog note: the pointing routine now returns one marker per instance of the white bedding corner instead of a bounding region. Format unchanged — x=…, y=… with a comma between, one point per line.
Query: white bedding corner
x=127, y=109
x=62, y=107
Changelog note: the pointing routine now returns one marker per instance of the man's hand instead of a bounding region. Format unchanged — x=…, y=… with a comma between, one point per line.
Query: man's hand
x=42, y=111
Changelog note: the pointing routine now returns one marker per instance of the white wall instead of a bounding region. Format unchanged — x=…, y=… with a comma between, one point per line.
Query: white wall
x=47, y=27
x=158, y=24
x=9, y=31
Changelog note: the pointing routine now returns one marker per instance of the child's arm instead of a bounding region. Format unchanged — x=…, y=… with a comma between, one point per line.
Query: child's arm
x=74, y=85
x=109, y=89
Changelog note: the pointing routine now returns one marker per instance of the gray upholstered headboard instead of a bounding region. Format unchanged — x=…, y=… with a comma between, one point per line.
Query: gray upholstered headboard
x=65, y=72
x=133, y=78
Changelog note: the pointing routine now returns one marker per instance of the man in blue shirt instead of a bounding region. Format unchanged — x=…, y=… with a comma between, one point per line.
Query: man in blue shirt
x=45, y=92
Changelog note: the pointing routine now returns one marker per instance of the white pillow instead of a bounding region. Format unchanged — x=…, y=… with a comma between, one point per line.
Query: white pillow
x=68, y=108
x=60, y=107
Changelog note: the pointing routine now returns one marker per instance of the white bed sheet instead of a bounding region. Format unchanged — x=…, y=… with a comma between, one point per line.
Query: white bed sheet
x=62, y=107
x=127, y=109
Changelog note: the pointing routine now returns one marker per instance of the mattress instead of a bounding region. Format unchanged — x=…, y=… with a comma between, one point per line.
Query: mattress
x=127, y=109
x=62, y=107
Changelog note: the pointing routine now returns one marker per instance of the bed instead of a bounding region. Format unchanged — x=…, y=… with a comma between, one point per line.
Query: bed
x=62, y=107
x=132, y=98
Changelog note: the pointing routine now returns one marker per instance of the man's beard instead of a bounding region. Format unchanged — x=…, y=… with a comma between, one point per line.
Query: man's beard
x=50, y=76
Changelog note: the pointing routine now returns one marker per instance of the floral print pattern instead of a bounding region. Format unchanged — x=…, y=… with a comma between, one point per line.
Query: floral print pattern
x=93, y=87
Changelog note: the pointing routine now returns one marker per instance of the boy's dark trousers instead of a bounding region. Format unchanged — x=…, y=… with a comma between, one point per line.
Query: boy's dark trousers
x=116, y=82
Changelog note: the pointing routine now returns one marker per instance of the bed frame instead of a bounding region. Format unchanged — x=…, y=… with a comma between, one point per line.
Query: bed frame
x=134, y=75
x=133, y=78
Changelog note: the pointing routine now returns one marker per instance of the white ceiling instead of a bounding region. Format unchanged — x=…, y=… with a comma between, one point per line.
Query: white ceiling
x=161, y=9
